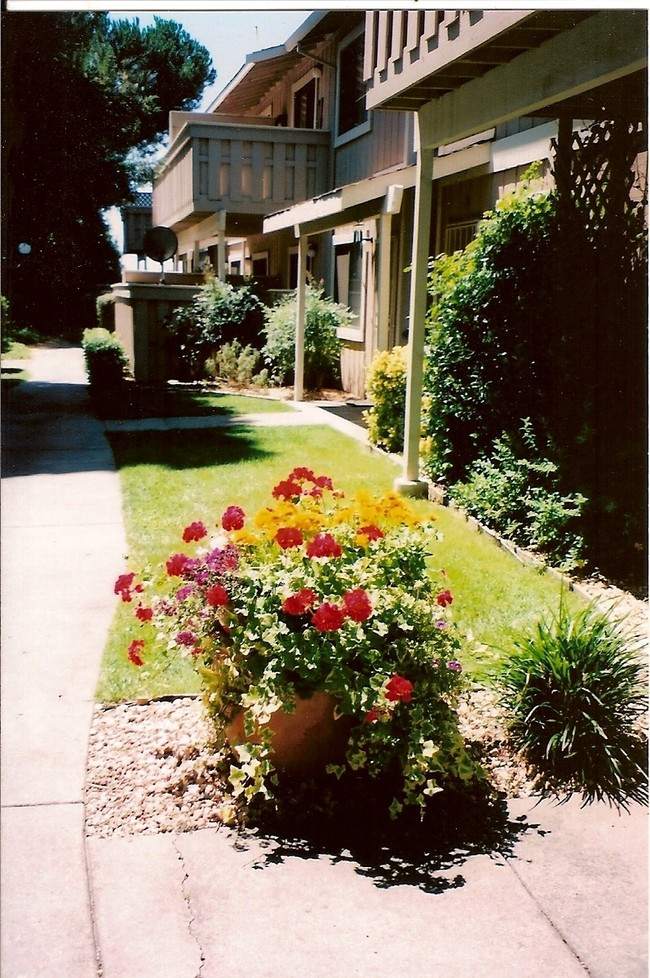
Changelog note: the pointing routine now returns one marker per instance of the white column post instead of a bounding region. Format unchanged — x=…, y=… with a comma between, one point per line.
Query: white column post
x=221, y=246
x=299, y=363
x=410, y=483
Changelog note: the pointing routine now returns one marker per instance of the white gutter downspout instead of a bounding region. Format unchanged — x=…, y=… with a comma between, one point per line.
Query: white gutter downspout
x=221, y=246
x=410, y=484
x=391, y=206
x=299, y=362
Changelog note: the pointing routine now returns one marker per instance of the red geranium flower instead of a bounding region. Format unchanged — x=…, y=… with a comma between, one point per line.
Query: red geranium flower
x=143, y=614
x=328, y=617
x=123, y=586
x=185, y=638
x=195, y=531
x=371, y=531
x=444, y=598
x=372, y=715
x=288, y=536
x=233, y=518
x=302, y=473
x=176, y=564
x=287, y=489
x=357, y=605
x=298, y=604
x=323, y=545
x=217, y=595
x=135, y=648
x=399, y=688
x=323, y=482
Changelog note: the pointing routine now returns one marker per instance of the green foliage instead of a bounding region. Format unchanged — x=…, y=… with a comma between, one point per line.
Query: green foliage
x=490, y=350
x=316, y=593
x=220, y=312
x=515, y=491
x=323, y=318
x=386, y=388
x=238, y=365
x=88, y=96
x=573, y=690
x=107, y=365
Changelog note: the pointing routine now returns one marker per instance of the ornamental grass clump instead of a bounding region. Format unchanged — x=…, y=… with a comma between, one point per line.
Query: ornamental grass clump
x=574, y=692
x=316, y=593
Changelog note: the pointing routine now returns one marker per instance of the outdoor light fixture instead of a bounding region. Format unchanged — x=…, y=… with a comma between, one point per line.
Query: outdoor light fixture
x=359, y=238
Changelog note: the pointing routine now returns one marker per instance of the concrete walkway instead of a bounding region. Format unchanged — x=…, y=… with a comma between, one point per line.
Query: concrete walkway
x=565, y=898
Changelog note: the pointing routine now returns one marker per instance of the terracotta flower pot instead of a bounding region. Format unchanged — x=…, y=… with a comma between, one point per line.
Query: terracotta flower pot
x=305, y=740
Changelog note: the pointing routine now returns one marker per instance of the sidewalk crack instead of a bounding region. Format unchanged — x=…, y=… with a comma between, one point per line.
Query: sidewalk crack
x=547, y=918
x=188, y=900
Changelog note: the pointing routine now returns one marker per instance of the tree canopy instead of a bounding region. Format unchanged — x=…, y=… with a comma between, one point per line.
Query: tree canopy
x=86, y=101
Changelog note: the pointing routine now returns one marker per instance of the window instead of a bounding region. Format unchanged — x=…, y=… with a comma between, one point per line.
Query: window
x=260, y=264
x=348, y=273
x=306, y=104
x=293, y=267
x=458, y=236
x=352, y=110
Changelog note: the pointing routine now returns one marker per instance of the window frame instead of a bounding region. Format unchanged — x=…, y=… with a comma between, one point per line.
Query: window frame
x=363, y=127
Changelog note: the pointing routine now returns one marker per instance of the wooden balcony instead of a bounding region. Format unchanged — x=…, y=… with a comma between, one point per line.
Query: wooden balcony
x=413, y=57
x=248, y=171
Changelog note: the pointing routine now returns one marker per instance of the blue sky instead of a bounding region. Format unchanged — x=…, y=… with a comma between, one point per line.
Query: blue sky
x=228, y=35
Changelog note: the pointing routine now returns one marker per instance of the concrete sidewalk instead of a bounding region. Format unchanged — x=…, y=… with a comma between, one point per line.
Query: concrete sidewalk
x=566, y=898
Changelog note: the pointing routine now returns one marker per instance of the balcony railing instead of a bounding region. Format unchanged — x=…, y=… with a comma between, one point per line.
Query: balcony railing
x=412, y=57
x=246, y=170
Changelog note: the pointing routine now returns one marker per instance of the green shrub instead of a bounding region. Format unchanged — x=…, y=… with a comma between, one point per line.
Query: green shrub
x=107, y=365
x=515, y=491
x=323, y=319
x=237, y=364
x=573, y=690
x=386, y=388
x=105, y=306
x=219, y=313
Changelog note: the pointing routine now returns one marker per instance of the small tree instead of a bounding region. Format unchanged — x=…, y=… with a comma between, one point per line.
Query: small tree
x=323, y=319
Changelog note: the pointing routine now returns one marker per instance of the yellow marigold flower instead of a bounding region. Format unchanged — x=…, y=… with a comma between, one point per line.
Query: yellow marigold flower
x=245, y=537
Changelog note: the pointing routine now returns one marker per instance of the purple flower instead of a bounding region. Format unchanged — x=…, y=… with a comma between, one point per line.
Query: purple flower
x=441, y=624
x=185, y=638
x=184, y=592
x=455, y=666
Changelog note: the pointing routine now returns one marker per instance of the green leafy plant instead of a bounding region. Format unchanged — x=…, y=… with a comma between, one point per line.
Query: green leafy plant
x=317, y=593
x=107, y=366
x=386, y=388
x=323, y=319
x=573, y=690
x=238, y=365
x=220, y=313
x=515, y=491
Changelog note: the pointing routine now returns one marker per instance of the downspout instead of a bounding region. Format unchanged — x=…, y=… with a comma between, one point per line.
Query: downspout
x=221, y=246
x=301, y=291
x=410, y=483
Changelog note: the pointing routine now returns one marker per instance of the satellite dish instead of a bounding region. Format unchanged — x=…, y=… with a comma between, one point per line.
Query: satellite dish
x=160, y=243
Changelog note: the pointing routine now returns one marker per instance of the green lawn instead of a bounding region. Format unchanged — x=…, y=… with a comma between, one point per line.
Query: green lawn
x=170, y=479
x=189, y=400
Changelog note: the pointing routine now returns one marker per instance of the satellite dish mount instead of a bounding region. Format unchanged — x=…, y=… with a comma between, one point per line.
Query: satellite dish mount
x=160, y=244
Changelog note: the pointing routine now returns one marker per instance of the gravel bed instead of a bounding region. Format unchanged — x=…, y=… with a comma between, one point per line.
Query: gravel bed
x=151, y=768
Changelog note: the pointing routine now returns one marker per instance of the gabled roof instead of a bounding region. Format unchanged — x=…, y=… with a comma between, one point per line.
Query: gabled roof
x=263, y=69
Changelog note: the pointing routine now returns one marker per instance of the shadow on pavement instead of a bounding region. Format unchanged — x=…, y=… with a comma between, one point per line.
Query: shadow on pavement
x=353, y=825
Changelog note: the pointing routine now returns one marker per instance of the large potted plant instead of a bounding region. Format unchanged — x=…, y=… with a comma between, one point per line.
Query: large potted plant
x=319, y=608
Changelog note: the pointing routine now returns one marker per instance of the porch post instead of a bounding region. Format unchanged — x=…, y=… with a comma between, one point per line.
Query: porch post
x=409, y=483
x=299, y=362
x=221, y=246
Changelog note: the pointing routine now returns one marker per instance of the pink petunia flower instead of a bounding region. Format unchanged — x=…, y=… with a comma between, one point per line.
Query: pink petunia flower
x=454, y=665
